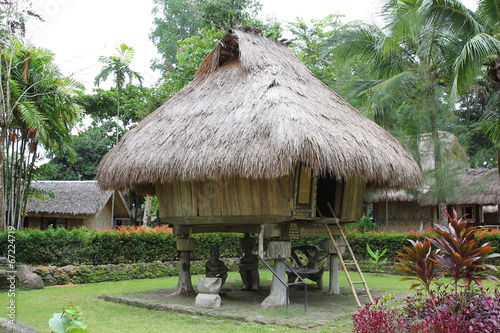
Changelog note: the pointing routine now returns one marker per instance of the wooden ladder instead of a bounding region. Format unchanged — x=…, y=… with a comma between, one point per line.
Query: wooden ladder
x=342, y=262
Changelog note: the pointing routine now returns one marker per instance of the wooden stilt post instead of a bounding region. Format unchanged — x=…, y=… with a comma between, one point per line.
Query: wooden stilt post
x=184, y=286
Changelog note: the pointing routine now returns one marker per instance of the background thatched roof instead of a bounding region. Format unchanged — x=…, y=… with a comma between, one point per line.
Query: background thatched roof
x=254, y=110
x=473, y=187
x=71, y=198
x=470, y=187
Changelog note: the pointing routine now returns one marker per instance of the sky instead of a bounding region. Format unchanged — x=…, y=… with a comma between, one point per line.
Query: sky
x=80, y=31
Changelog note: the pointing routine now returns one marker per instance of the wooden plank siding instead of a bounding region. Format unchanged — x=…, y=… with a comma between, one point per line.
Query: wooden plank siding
x=352, y=203
x=226, y=197
x=243, y=197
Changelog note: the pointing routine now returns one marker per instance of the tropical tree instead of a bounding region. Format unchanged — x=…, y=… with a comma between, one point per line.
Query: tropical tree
x=191, y=53
x=477, y=67
x=13, y=15
x=410, y=63
x=91, y=143
x=178, y=20
x=38, y=111
x=119, y=67
x=136, y=102
x=80, y=161
x=310, y=40
x=174, y=20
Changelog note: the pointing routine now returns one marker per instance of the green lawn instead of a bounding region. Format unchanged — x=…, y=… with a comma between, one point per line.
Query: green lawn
x=36, y=307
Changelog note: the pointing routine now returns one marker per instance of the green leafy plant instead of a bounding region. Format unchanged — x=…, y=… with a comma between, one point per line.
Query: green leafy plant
x=71, y=320
x=376, y=260
x=365, y=224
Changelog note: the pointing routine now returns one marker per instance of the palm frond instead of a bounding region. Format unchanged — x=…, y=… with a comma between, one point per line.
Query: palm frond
x=39, y=193
x=489, y=120
x=489, y=10
x=30, y=115
x=103, y=75
x=391, y=90
x=126, y=54
x=453, y=15
x=475, y=51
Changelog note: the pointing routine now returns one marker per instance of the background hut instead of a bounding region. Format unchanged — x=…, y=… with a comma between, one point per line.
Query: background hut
x=474, y=193
x=76, y=204
x=255, y=139
x=468, y=190
x=475, y=188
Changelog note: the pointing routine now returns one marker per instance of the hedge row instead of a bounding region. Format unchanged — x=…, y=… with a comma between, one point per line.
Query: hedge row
x=61, y=247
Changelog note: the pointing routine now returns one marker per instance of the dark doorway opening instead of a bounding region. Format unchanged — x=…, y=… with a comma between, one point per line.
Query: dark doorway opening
x=328, y=189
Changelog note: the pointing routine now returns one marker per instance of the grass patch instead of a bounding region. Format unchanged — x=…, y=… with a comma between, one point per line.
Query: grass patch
x=36, y=307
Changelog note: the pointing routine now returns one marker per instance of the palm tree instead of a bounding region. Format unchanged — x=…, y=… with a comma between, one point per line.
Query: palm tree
x=410, y=62
x=479, y=59
x=38, y=109
x=118, y=66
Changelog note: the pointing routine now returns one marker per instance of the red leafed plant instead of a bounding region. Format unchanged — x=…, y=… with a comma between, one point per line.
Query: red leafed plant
x=419, y=263
x=459, y=253
x=455, y=252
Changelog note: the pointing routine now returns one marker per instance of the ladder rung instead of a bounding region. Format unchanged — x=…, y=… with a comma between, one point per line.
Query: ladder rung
x=349, y=263
x=359, y=282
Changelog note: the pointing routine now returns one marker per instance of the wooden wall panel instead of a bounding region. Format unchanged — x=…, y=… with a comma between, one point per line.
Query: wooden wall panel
x=285, y=192
x=232, y=191
x=186, y=199
x=226, y=197
x=255, y=197
x=352, y=203
x=244, y=196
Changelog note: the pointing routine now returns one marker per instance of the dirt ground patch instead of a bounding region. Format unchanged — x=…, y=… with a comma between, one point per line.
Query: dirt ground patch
x=322, y=308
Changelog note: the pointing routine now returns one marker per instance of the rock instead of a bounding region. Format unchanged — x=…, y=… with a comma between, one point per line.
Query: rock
x=27, y=279
x=209, y=285
x=6, y=273
x=207, y=301
x=208, y=296
x=12, y=326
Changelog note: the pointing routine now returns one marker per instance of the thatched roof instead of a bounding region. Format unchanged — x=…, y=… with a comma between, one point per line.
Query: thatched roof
x=403, y=195
x=71, y=198
x=254, y=110
x=470, y=187
x=473, y=187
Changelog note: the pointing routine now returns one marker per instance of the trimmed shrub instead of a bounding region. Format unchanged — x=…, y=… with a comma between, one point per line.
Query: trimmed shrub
x=81, y=246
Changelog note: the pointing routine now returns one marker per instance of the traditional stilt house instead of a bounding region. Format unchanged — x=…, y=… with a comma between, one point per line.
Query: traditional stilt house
x=256, y=139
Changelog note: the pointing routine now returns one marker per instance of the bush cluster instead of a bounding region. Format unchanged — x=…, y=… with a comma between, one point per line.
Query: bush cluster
x=459, y=253
x=61, y=247
x=445, y=311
